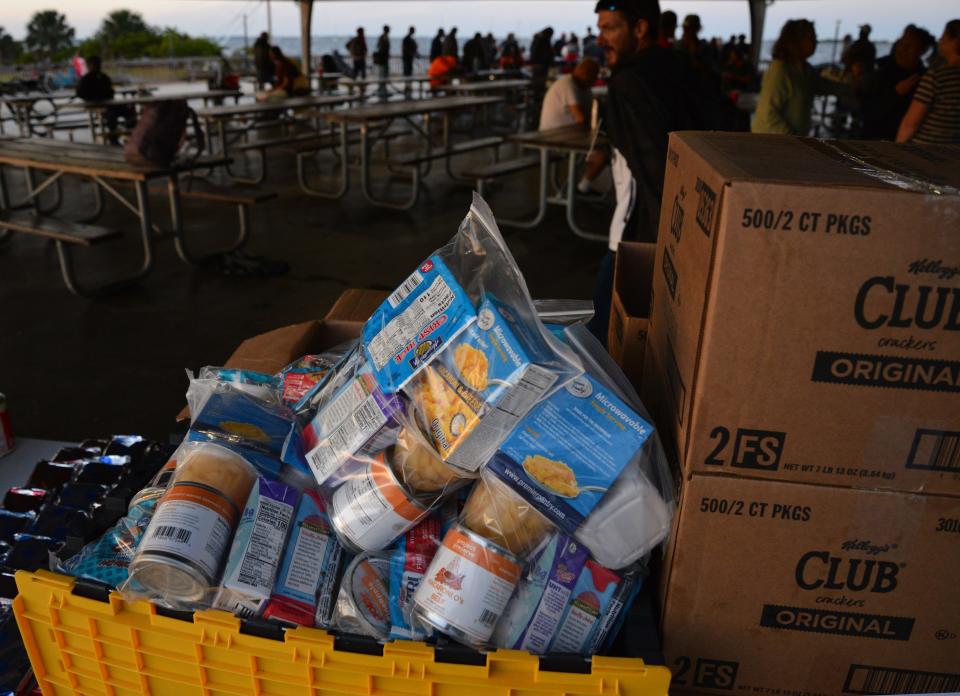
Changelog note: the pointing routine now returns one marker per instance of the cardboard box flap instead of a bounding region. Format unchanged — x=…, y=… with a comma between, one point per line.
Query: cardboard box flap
x=790, y=160
x=356, y=304
x=272, y=351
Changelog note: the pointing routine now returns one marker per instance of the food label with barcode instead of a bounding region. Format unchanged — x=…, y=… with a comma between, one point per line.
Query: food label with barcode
x=468, y=584
x=192, y=524
x=361, y=425
x=372, y=510
x=416, y=322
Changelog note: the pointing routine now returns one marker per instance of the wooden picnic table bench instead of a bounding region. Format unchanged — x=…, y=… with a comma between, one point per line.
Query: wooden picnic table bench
x=106, y=167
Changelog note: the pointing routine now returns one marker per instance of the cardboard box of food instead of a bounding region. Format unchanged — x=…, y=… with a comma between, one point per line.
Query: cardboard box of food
x=791, y=588
x=271, y=351
x=805, y=322
x=630, y=307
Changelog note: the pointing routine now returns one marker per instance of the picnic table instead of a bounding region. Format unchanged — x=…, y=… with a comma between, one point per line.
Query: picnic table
x=390, y=82
x=217, y=119
x=497, y=86
x=97, y=109
x=23, y=106
x=106, y=167
x=572, y=141
x=515, y=91
x=375, y=121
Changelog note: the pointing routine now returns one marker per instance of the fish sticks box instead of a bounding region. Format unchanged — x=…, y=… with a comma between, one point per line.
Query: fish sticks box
x=474, y=392
x=569, y=450
x=427, y=311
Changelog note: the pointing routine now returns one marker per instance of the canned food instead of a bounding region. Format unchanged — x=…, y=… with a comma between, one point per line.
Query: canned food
x=363, y=605
x=372, y=508
x=6, y=434
x=181, y=554
x=467, y=587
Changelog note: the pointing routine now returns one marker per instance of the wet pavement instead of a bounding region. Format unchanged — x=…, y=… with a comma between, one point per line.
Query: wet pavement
x=73, y=367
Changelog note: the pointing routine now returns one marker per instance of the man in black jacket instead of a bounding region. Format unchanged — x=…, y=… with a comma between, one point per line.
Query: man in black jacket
x=646, y=101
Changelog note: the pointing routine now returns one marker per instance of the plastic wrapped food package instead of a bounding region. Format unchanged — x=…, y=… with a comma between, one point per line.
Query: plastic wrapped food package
x=179, y=559
x=308, y=567
x=479, y=563
x=262, y=431
x=108, y=558
x=363, y=604
x=456, y=382
x=254, y=554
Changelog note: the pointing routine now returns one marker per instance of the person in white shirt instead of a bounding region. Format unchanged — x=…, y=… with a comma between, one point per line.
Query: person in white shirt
x=568, y=102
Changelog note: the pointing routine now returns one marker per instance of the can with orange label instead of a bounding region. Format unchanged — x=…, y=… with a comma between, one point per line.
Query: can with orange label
x=372, y=508
x=467, y=587
x=183, y=549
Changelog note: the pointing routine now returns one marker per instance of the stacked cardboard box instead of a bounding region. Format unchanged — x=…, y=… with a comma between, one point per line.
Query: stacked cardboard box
x=803, y=362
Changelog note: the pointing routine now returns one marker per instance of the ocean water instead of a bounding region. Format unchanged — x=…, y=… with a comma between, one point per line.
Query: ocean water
x=827, y=51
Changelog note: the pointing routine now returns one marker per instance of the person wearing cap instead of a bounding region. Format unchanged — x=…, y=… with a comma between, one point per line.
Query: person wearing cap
x=645, y=102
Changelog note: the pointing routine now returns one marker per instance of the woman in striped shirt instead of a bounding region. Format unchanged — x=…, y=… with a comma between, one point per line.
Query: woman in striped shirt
x=934, y=114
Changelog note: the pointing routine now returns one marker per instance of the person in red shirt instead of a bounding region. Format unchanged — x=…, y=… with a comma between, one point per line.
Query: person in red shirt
x=442, y=70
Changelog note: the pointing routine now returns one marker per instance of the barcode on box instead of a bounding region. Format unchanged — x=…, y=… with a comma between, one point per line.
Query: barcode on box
x=864, y=679
x=935, y=450
x=488, y=618
x=177, y=534
x=408, y=286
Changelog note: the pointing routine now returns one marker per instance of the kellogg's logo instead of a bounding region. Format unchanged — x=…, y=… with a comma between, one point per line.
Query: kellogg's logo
x=867, y=546
x=427, y=266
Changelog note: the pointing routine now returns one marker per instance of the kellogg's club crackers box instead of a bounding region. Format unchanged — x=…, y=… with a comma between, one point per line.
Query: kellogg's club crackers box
x=805, y=323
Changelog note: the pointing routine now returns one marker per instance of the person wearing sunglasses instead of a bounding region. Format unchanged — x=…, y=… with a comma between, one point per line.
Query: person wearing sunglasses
x=646, y=101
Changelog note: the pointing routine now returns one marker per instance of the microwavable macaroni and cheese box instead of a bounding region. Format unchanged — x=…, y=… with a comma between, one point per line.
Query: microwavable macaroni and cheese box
x=567, y=452
x=474, y=392
x=805, y=323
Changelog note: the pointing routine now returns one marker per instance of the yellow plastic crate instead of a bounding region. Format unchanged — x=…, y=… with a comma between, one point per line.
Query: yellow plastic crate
x=81, y=645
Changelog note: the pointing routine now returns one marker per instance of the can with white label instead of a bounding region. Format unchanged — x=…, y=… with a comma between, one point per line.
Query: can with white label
x=372, y=508
x=467, y=587
x=6, y=434
x=363, y=605
x=183, y=549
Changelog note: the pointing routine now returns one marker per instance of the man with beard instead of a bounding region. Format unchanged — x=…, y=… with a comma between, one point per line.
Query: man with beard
x=646, y=101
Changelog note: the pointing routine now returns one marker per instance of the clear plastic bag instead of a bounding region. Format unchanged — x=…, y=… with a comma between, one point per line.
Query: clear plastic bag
x=300, y=381
x=263, y=431
x=447, y=366
x=635, y=515
x=479, y=563
x=180, y=557
x=589, y=460
x=108, y=558
x=363, y=603
x=255, y=553
x=566, y=601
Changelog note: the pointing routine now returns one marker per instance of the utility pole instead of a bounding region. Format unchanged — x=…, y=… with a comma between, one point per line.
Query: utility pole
x=270, y=22
x=246, y=47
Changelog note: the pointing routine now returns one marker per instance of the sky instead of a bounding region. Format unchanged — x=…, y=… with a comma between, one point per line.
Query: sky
x=220, y=18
